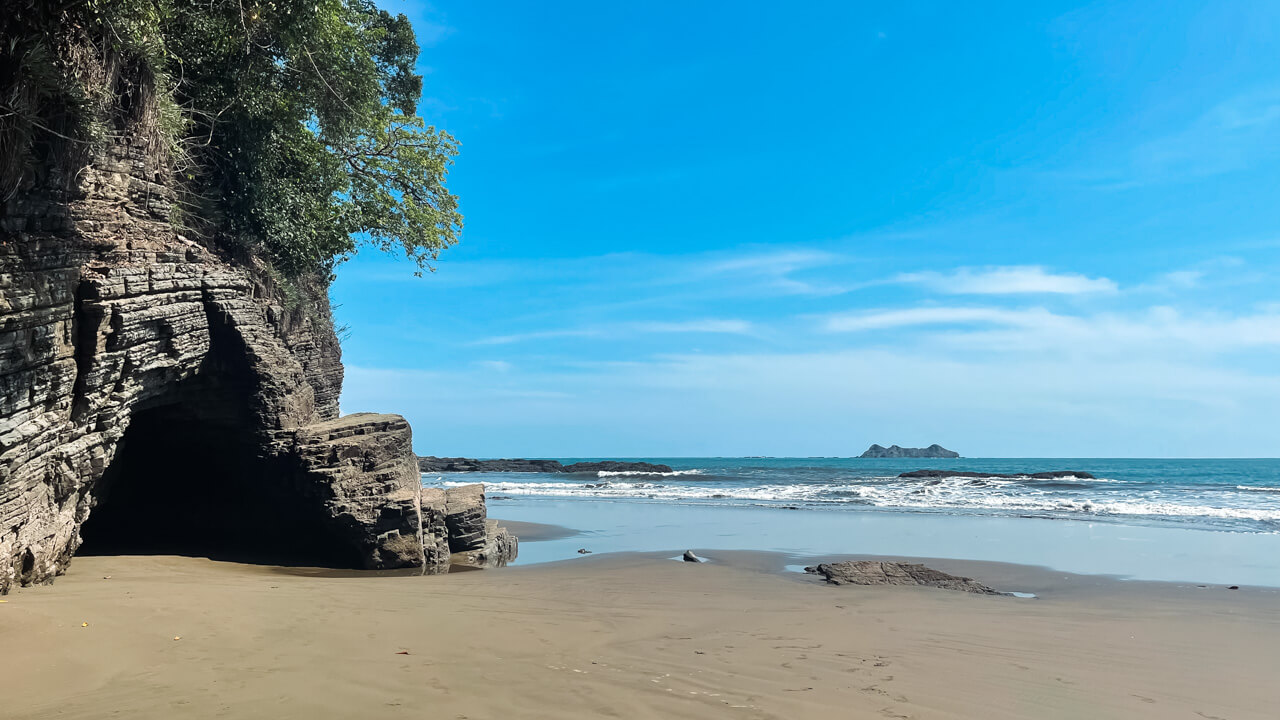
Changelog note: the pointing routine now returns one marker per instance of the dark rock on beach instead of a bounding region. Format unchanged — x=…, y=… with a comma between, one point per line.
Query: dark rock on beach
x=871, y=572
x=465, y=517
x=933, y=451
x=690, y=557
x=433, y=464
x=1051, y=475
x=615, y=466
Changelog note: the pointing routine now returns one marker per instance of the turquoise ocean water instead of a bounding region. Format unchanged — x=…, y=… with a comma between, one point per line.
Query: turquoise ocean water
x=1186, y=520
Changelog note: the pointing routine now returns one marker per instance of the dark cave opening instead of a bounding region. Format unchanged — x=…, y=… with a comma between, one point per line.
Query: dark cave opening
x=186, y=481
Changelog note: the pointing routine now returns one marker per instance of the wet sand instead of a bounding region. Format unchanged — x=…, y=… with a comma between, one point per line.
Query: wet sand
x=628, y=635
x=538, y=532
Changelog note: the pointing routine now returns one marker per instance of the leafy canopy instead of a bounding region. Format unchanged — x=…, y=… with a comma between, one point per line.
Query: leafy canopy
x=298, y=131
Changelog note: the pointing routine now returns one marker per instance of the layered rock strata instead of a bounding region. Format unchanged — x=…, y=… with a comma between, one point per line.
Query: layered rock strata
x=154, y=390
x=474, y=540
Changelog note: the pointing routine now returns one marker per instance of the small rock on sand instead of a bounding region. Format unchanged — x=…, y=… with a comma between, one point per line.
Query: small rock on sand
x=690, y=557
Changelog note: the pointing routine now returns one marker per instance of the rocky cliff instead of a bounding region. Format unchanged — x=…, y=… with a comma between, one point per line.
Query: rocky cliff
x=158, y=395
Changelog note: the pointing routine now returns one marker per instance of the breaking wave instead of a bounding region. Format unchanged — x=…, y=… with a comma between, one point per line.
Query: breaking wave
x=623, y=473
x=1212, y=504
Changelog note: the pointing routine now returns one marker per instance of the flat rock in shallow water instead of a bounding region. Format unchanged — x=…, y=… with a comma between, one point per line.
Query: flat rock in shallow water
x=872, y=572
x=1050, y=475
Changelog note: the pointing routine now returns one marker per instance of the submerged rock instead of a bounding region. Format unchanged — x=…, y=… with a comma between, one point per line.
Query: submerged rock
x=873, y=572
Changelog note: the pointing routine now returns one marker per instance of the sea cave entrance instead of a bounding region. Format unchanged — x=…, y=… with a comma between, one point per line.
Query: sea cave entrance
x=190, y=478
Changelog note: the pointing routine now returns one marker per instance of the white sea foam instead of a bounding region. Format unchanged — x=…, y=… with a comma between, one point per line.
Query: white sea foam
x=1000, y=496
x=621, y=473
x=1017, y=478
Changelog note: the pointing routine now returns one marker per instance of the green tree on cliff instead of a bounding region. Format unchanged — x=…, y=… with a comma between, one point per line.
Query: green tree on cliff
x=292, y=123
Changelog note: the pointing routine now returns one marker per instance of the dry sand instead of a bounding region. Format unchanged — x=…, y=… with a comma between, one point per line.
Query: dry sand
x=625, y=636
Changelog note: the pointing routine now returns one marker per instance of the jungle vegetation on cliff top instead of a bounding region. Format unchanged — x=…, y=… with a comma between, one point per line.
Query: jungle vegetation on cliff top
x=290, y=125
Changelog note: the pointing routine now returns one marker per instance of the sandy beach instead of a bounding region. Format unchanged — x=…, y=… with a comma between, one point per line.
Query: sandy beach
x=626, y=635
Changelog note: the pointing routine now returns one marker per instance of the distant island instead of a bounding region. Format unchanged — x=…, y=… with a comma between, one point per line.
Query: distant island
x=933, y=451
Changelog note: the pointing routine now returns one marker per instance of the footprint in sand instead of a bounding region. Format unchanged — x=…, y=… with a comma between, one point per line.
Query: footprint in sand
x=875, y=690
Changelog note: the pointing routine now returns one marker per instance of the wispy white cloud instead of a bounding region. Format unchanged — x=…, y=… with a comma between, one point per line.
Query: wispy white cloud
x=1181, y=279
x=1237, y=134
x=1231, y=135
x=1011, y=280
x=704, y=325
x=774, y=271
x=732, y=327
x=768, y=263
x=1040, y=330
x=538, y=335
x=1148, y=402
x=501, y=366
x=910, y=317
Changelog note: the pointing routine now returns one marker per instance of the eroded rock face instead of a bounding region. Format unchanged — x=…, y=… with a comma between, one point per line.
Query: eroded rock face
x=499, y=548
x=123, y=343
x=871, y=572
x=360, y=473
x=465, y=517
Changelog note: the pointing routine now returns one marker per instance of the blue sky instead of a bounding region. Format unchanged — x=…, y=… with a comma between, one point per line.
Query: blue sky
x=1015, y=229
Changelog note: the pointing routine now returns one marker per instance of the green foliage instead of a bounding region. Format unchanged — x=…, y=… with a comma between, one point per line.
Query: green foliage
x=291, y=123
x=73, y=74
